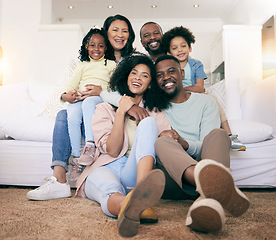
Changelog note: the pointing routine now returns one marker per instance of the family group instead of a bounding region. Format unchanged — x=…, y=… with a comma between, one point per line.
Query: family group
x=150, y=131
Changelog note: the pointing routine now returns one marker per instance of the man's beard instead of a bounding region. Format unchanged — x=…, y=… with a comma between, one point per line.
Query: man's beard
x=154, y=51
x=170, y=95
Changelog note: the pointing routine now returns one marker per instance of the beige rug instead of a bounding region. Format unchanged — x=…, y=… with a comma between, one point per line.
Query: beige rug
x=76, y=218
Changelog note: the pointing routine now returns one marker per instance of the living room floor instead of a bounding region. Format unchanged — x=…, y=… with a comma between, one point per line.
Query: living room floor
x=77, y=218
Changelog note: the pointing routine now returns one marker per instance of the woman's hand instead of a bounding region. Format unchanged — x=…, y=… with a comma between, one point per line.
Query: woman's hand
x=126, y=102
x=71, y=96
x=91, y=90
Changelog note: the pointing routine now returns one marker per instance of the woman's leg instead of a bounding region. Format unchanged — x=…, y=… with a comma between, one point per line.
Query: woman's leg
x=103, y=186
x=142, y=156
x=61, y=147
x=74, y=117
x=88, y=110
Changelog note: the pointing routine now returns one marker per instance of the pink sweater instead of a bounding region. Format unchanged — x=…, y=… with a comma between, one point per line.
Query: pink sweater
x=102, y=124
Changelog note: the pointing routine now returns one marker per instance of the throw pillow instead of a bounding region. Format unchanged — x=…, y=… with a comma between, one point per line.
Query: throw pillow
x=251, y=131
x=54, y=105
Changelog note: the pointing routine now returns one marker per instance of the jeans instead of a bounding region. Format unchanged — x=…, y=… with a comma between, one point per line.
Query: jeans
x=79, y=112
x=61, y=147
x=116, y=176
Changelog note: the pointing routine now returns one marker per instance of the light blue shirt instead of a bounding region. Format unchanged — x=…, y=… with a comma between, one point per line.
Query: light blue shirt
x=197, y=70
x=187, y=81
x=194, y=119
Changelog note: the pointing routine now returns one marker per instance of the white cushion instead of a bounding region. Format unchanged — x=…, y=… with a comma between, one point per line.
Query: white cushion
x=2, y=135
x=218, y=90
x=259, y=102
x=19, y=105
x=54, y=105
x=29, y=128
x=233, y=99
x=40, y=92
x=20, y=115
x=251, y=131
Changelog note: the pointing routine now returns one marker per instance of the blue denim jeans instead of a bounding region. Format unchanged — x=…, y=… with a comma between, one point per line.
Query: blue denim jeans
x=61, y=147
x=116, y=176
x=78, y=113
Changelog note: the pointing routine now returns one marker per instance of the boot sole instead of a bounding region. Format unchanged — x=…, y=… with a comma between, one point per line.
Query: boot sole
x=147, y=192
x=206, y=215
x=221, y=187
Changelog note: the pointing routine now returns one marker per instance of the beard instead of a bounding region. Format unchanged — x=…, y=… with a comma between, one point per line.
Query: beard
x=170, y=95
x=154, y=51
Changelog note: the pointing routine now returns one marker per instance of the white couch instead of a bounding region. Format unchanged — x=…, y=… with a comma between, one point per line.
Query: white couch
x=28, y=112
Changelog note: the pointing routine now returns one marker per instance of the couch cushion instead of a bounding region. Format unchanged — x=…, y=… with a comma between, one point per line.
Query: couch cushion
x=251, y=131
x=259, y=102
x=227, y=93
x=29, y=128
x=54, y=105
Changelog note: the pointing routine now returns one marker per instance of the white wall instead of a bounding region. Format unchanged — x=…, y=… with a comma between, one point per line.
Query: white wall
x=30, y=49
x=35, y=48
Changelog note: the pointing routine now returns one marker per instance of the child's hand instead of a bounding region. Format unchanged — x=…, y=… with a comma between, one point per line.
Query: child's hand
x=125, y=104
x=71, y=96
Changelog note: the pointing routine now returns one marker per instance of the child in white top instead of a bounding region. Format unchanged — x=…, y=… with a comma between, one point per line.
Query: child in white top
x=94, y=68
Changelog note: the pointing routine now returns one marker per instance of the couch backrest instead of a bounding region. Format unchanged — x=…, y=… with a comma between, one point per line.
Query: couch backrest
x=258, y=102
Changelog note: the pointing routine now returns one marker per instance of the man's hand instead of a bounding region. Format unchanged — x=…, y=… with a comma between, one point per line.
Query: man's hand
x=174, y=135
x=171, y=133
x=138, y=113
x=71, y=96
x=91, y=90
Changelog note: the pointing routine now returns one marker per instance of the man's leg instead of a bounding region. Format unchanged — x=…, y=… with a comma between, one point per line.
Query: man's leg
x=215, y=185
x=216, y=146
x=174, y=161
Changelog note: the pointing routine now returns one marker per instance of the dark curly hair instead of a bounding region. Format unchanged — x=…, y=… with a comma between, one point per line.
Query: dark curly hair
x=128, y=49
x=177, y=32
x=84, y=56
x=153, y=98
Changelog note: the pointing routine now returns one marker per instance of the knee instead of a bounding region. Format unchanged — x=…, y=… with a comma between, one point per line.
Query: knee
x=159, y=143
x=93, y=100
x=148, y=123
x=61, y=116
x=219, y=133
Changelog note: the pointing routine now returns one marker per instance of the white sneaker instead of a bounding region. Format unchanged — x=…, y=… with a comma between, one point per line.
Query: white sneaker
x=206, y=215
x=51, y=189
x=236, y=144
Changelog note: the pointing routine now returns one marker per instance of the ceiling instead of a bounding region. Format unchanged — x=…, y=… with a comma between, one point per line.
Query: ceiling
x=228, y=11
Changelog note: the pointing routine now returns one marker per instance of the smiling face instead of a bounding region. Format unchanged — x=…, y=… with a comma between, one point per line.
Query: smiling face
x=180, y=49
x=96, y=46
x=139, y=79
x=118, y=34
x=151, y=38
x=169, y=77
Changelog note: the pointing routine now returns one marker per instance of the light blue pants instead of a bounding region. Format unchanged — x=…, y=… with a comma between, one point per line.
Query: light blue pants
x=78, y=112
x=116, y=176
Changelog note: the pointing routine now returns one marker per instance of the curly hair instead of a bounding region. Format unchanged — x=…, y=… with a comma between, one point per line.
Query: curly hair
x=177, y=32
x=128, y=49
x=84, y=56
x=153, y=98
